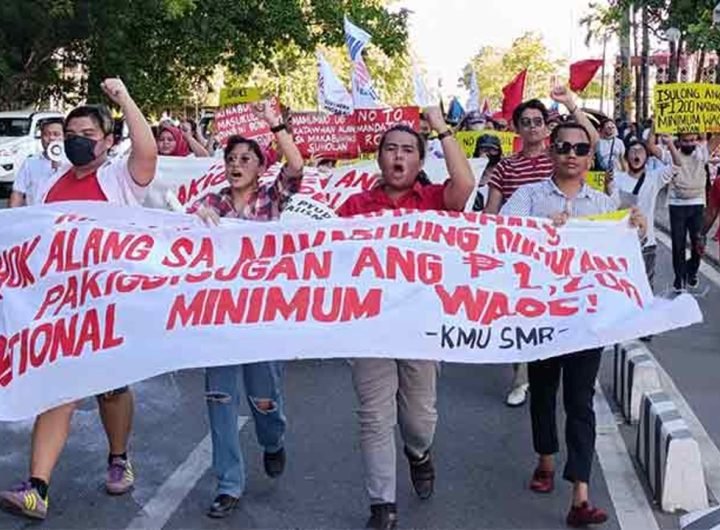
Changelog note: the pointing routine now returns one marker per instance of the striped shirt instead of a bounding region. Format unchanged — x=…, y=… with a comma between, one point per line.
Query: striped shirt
x=519, y=170
x=545, y=199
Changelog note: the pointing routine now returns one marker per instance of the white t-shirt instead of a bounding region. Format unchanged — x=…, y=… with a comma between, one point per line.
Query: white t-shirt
x=701, y=154
x=114, y=179
x=605, y=146
x=646, y=199
x=34, y=172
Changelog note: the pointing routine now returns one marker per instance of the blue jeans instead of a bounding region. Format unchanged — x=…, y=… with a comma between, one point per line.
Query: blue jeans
x=263, y=381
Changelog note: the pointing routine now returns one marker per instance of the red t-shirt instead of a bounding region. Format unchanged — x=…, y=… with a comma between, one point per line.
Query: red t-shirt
x=71, y=188
x=420, y=197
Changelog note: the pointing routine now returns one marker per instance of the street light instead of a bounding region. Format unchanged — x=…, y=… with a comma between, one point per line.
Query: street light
x=716, y=14
x=673, y=34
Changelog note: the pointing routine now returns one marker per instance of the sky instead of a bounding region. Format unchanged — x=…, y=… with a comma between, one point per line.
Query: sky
x=445, y=34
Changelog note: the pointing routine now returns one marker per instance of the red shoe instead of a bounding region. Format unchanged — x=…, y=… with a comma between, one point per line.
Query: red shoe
x=583, y=515
x=542, y=481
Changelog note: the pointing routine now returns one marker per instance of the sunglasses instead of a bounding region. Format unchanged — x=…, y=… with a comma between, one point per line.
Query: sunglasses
x=564, y=148
x=527, y=122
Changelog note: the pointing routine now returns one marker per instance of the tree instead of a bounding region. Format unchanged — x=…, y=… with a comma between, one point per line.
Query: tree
x=167, y=49
x=495, y=67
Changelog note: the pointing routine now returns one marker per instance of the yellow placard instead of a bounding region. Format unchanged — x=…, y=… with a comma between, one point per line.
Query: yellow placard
x=468, y=139
x=237, y=96
x=687, y=108
x=596, y=180
x=617, y=215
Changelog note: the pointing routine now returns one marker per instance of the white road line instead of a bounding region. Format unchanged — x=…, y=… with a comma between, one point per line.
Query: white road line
x=708, y=450
x=627, y=494
x=156, y=513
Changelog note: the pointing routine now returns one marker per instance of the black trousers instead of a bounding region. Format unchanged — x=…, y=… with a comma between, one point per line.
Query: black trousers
x=684, y=221
x=579, y=371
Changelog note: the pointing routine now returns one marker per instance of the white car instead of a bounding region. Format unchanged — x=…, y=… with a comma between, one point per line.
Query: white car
x=19, y=139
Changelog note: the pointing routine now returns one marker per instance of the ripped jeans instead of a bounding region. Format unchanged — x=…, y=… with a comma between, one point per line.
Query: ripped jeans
x=262, y=381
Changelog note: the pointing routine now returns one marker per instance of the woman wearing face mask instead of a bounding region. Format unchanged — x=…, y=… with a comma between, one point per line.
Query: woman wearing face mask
x=90, y=176
x=179, y=141
x=490, y=148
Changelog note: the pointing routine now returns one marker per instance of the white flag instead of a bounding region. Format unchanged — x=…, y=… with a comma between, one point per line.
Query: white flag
x=332, y=94
x=473, y=102
x=422, y=95
x=356, y=38
x=363, y=92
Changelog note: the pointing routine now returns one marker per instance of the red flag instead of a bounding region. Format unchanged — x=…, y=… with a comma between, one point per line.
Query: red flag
x=582, y=72
x=513, y=94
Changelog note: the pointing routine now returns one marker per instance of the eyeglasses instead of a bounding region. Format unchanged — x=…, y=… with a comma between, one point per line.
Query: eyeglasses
x=564, y=148
x=528, y=122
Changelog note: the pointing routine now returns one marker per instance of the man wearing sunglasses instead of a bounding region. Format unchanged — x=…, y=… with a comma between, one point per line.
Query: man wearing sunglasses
x=531, y=164
x=565, y=194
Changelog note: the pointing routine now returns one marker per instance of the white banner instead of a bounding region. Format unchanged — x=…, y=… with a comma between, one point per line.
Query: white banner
x=96, y=296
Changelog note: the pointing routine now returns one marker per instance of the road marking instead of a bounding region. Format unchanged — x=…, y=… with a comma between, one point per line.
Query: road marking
x=626, y=493
x=158, y=510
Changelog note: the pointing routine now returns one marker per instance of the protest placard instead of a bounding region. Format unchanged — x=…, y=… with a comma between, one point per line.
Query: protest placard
x=239, y=119
x=96, y=296
x=596, y=180
x=372, y=123
x=322, y=134
x=687, y=108
x=239, y=95
x=468, y=139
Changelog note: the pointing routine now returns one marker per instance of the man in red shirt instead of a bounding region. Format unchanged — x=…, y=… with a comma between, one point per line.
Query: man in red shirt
x=712, y=210
x=532, y=164
x=90, y=176
x=404, y=391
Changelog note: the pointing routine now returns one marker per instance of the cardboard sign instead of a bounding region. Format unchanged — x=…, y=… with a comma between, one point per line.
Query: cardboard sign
x=372, y=123
x=508, y=141
x=320, y=134
x=240, y=119
x=687, y=108
x=237, y=96
x=596, y=180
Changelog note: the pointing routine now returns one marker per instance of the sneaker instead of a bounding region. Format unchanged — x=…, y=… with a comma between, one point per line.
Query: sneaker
x=383, y=516
x=517, y=396
x=120, y=476
x=274, y=463
x=693, y=282
x=542, y=481
x=422, y=474
x=222, y=506
x=24, y=500
x=583, y=515
x=678, y=286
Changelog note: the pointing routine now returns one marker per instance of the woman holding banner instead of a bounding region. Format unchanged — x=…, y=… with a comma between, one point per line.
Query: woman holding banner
x=245, y=198
x=90, y=176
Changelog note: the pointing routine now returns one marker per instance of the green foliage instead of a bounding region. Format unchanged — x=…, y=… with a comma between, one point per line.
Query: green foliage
x=166, y=50
x=495, y=68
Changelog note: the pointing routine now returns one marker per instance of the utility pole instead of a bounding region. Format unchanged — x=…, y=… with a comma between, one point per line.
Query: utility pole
x=645, y=64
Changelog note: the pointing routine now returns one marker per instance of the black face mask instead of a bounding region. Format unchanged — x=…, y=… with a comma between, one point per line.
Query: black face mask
x=493, y=159
x=687, y=149
x=80, y=150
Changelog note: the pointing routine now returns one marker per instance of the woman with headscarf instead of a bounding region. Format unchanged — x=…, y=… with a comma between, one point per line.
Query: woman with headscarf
x=178, y=141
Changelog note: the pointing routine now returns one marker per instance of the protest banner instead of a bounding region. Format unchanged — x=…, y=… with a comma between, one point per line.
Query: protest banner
x=372, y=123
x=468, y=139
x=239, y=119
x=330, y=135
x=237, y=96
x=96, y=296
x=596, y=180
x=687, y=108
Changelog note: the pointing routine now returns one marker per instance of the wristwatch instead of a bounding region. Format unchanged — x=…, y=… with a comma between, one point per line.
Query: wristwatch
x=445, y=134
x=279, y=127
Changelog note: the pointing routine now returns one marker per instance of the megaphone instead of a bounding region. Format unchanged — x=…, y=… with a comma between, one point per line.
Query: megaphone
x=56, y=151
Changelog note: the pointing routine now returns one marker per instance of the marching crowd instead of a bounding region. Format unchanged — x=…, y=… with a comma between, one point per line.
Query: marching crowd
x=546, y=178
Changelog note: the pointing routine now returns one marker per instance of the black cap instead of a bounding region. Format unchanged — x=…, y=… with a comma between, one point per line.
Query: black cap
x=488, y=140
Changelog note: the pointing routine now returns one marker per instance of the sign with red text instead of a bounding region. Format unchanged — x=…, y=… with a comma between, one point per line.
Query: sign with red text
x=325, y=135
x=372, y=123
x=240, y=119
x=96, y=296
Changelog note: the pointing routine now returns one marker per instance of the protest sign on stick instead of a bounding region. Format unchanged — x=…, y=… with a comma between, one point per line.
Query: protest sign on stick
x=687, y=108
x=372, y=123
x=240, y=119
x=329, y=135
x=468, y=140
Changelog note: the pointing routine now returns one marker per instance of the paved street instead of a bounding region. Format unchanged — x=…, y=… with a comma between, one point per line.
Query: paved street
x=483, y=452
